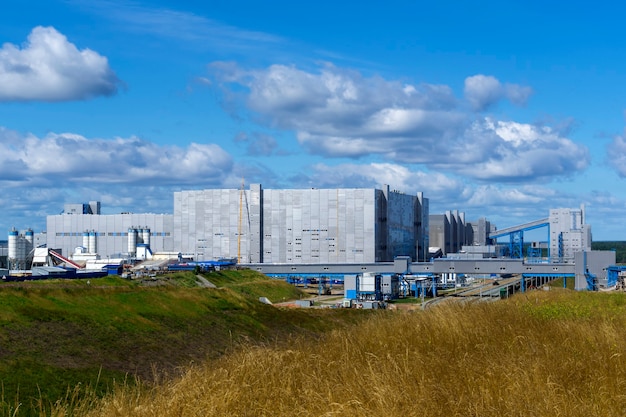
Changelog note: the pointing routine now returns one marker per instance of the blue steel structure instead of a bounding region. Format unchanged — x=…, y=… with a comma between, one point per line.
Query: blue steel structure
x=516, y=237
x=202, y=265
x=592, y=281
x=613, y=274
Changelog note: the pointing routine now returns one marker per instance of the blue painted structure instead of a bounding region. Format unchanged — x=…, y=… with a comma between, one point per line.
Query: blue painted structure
x=516, y=238
x=613, y=274
x=592, y=281
x=203, y=265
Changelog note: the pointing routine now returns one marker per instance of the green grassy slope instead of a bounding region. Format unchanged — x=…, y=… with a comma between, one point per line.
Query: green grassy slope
x=541, y=353
x=57, y=334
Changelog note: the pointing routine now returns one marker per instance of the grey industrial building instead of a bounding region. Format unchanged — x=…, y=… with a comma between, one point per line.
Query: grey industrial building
x=449, y=232
x=317, y=226
x=295, y=226
x=82, y=226
x=319, y=230
x=344, y=226
x=569, y=233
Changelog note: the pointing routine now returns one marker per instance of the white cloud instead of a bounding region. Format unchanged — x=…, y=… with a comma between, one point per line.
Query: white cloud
x=490, y=195
x=71, y=159
x=483, y=91
x=176, y=24
x=338, y=113
x=50, y=68
x=616, y=155
x=398, y=177
x=518, y=152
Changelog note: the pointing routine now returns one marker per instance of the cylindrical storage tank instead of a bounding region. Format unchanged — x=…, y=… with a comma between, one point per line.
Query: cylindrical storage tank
x=92, y=242
x=86, y=240
x=132, y=241
x=145, y=236
x=13, y=245
x=30, y=238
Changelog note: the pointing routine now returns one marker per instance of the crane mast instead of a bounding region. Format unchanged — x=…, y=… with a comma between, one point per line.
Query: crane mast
x=240, y=218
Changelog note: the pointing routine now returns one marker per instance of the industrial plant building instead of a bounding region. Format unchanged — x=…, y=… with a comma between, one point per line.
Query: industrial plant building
x=312, y=231
x=313, y=226
x=81, y=228
x=568, y=233
x=449, y=232
x=317, y=226
x=344, y=226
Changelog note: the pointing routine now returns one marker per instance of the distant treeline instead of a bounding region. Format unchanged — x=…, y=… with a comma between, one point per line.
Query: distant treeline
x=618, y=246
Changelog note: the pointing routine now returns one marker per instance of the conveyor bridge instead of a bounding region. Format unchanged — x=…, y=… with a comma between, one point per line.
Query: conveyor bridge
x=437, y=266
x=516, y=235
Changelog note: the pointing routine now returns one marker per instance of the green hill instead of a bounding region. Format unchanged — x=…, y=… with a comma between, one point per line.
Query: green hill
x=541, y=353
x=55, y=335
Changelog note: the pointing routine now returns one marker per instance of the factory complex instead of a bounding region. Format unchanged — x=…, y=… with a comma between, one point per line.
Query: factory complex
x=308, y=231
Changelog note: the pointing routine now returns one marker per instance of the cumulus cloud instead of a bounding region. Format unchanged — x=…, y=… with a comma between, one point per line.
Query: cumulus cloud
x=338, y=113
x=73, y=159
x=398, y=177
x=519, y=152
x=616, y=155
x=124, y=173
x=487, y=195
x=50, y=68
x=483, y=91
x=506, y=151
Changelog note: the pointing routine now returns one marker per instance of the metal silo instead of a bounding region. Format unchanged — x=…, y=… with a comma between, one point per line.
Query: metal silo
x=132, y=241
x=30, y=238
x=86, y=240
x=92, y=242
x=145, y=236
x=12, y=255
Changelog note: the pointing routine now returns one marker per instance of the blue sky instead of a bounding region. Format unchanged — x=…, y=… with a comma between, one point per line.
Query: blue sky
x=499, y=110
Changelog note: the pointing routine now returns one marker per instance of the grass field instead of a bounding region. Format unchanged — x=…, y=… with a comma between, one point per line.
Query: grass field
x=58, y=335
x=542, y=353
x=72, y=348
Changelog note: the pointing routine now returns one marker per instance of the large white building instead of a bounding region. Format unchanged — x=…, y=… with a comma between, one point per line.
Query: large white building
x=568, y=233
x=450, y=233
x=82, y=228
x=344, y=225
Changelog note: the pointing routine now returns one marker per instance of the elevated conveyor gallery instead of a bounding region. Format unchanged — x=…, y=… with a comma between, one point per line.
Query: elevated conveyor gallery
x=437, y=266
x=516, y=235
x=592, y=262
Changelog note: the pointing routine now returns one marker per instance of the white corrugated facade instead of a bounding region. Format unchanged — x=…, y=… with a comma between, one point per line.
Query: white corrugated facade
x=65, y=231
x=345, y=225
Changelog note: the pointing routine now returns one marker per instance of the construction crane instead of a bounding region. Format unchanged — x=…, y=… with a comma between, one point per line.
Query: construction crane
x=241, y=193
x=243, y=203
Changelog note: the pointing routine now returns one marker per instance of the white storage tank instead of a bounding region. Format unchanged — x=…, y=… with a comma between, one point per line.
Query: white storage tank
x=30, y=239
x=12, y=255
x=86, y=240
x=92, y=242
x=145, y=236
x=132, y=241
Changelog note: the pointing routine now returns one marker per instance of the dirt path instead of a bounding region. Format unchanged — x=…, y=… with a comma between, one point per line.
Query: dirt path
x=205, y=282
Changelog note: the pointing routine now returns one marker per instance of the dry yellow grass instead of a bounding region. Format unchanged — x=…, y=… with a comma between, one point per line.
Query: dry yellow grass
x=554, y=353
